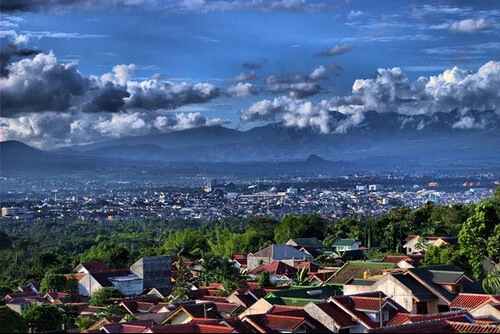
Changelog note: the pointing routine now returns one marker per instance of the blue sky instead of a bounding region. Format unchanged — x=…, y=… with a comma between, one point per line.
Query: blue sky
x=75, y=72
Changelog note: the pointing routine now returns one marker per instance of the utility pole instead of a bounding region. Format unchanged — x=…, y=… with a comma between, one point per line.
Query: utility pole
x=380, y=308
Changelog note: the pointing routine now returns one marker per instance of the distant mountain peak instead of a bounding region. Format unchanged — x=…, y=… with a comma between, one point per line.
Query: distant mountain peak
x=313, y=158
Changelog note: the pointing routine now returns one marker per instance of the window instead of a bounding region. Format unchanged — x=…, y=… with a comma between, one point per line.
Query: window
x=385, y=315
x=443, y=308
x=422, y=308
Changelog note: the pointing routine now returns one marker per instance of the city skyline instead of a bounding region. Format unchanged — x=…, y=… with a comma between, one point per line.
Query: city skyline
x=81, y=72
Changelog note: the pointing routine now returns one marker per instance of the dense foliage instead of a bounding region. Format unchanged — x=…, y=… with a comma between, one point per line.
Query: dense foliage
x=41, y=250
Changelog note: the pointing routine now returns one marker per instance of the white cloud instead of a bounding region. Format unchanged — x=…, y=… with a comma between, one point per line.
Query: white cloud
x=469, y=26
x=454, y=90
x=242, y=90
x=353, y=14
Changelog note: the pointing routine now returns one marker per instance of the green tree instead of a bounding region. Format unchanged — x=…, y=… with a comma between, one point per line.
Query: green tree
x=188, y=243
x=474, y=235
x=130, y=317
x=265, y=279
x=491, y=284
x=5, y=242
x=444, y=254
x=11, y=321
x=84, y=323
x=43, y=317
x=114, y=255
x=301, y=276
x=53, y=282
x=305, y=226
x=105, y=296
x=181, y=290
x=493, y=244
x=72, y=291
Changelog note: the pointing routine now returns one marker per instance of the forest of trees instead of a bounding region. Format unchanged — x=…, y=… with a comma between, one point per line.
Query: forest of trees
x=43, y=251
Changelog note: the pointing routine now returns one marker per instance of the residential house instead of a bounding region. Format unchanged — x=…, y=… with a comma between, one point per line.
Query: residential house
x=306, y=242
x=155, y=271
x=281, y=273
x=341, y=245
x=416, y=243
x=300, y=296
x=355, y=313
x=358, y=269
x=188, y=312
x=123, y=280
x=240, y=261
x=277, y=252
x=420, y=290
x=404, y=261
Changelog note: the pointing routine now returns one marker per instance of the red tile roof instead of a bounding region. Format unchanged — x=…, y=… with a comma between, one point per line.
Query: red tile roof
x=266, y=323
x=341, y=318
x=275, y=268
x=469, y=301
x=473, y=328
x=403, y=318
x=128, y=327
x=191, y=328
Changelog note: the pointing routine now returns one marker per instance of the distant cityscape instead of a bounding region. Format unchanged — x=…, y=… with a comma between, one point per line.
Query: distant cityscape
x=353, y=195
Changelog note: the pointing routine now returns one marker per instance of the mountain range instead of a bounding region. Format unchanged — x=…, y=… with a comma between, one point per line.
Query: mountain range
x=383, y=139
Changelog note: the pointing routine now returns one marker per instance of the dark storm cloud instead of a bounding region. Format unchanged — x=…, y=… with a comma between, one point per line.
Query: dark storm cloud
x=40, y=84
x=300, y=85
x=10, y=53
x=108, y=98
x=153, y=95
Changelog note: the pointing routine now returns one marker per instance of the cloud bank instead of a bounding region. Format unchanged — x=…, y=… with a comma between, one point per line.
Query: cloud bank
x=390, y=92
x=46, y=103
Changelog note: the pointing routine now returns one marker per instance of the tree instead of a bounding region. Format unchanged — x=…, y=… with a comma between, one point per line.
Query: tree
x=444, y=254
x=301, y=276
x=265, y=279
x=493, y=244
x=105, y=296
x=83, y=323
x=11, y=321
x=43, y=317
x=4, y=240
x=181, y=290
x=474, y=235
x=72, y=291
x=114, y=255
x=53, y=282
x=491, y=284
x=188, y=243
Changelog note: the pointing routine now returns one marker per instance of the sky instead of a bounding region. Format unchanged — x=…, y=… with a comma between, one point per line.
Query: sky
x=77, y=72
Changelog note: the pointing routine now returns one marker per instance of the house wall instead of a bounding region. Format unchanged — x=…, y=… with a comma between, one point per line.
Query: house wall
x=314, y=311
x=156, y=271
x=253, y=261
x=86, y=283
x=129, y=287
x=486, y=310
x=180, y=318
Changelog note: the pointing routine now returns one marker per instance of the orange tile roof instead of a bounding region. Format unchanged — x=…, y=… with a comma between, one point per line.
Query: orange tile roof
x=469, y=301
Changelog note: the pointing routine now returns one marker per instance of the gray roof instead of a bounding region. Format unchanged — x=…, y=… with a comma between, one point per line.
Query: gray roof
x=418, y=290
x=306, y=242
x=344, y=242
x=280, y=252
x=433, y=276
x=359, y=281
